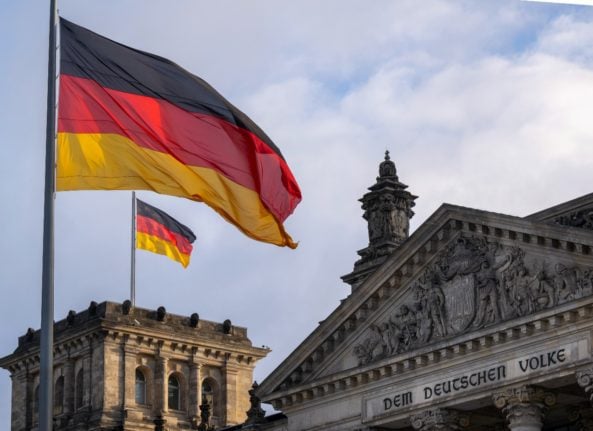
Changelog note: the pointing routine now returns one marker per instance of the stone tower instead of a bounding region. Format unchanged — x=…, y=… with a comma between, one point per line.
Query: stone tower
x=388, y=210
x=118, y=367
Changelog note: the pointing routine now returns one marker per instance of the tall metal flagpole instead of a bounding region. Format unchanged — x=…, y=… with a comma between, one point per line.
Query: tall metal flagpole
x=47, y=282
x=133, y=253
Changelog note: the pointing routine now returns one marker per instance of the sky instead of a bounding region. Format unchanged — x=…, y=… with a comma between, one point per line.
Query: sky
x=482, y=103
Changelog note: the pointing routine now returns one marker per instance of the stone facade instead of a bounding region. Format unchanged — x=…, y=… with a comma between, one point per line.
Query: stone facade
x=118, y=367
x=477, y=321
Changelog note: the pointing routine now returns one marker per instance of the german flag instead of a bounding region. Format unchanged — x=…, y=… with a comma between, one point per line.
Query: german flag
x=160, y=233
x=130, y=120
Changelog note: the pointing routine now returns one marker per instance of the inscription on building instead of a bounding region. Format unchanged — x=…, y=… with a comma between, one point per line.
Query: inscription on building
x=489, y=375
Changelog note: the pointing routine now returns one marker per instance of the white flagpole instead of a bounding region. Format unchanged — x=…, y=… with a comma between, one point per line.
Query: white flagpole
x=47, y=278
x=133, y=253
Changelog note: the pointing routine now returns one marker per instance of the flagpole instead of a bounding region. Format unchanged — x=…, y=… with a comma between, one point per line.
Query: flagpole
x=133, y=253
x=47, y=277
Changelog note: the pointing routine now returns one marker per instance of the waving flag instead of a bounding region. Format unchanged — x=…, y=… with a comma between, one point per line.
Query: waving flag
x=158, y=232
x=130, y=120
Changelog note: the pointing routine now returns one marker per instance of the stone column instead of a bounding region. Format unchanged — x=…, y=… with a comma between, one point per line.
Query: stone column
x=585, y=381
x=524, y=407
x=87, y=380
x=129, y=389
x=439, y=420
x=195, y=390
x=230, y=394
x=69, y=386
x=160, y=386
x=29, y=400
x=19, y=399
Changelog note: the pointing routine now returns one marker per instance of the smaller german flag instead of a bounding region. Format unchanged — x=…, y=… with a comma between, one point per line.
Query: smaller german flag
x=160, y=233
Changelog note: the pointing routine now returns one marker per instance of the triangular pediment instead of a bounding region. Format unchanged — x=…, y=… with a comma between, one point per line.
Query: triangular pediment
x=462, y=271
x=577, y=213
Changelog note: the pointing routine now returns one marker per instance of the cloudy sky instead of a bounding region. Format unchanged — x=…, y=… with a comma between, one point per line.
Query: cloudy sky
x=482, y=103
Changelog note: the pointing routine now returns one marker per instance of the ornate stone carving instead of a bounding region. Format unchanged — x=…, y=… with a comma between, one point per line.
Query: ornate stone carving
x=473, y=283
x=585, y=381
x=255, y=414
x=388, y=210
x=204, y=424
x=161, y=313
x=227, y=326
x=582, y=219
x=524, y=406
x=194, y=319
x=581, y=418
x=439, y=420
x=160, y=423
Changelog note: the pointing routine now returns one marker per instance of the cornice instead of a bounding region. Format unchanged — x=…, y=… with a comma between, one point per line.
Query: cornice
x=572, y=317
x=148, y=341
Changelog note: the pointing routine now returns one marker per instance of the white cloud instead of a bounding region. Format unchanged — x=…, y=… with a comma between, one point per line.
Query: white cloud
x=484, y=104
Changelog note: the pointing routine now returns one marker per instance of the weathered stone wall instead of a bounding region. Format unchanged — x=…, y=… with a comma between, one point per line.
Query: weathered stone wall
x=109, y=343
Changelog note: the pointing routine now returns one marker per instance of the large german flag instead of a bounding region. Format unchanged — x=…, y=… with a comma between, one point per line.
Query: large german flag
x=131, y=120
x=160, y=233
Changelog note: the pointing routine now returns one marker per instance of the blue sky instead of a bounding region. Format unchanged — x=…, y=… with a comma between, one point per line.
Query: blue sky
x=486, y=104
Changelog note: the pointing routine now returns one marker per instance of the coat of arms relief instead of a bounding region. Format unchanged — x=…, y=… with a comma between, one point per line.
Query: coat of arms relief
x=474, y=283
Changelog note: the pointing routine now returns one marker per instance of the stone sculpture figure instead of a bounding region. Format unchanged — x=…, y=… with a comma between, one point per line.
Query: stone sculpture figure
x=435, y=300
x=566, y=284
x=582, y=219
x=487, y=298
x=408, y=325
x=474, y=283
x=396, y=335
x=424, y=324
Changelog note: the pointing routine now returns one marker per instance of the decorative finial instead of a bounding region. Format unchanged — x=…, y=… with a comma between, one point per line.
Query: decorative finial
x=387, y=168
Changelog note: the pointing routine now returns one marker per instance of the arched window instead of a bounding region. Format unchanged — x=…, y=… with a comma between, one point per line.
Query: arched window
x=59, y=396
x=79, y=389
x=140, y=387
x=174, y=393
x=210, y=395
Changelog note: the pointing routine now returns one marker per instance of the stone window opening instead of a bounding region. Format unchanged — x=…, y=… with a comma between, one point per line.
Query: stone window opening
x=59, y=396
x=79, y=389
x=175, y=392
x=140, y=387
x=210, y=396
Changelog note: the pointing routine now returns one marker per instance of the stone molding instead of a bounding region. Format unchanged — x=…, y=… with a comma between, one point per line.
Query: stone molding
x=565, y=316
x=439, y=420
x=524, y=405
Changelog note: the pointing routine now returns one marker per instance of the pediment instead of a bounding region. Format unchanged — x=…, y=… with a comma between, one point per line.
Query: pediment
x=462, y=271
x=576, y=213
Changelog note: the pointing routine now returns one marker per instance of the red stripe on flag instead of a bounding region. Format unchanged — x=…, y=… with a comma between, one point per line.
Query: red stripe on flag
x=192, y=138
x=152, y=227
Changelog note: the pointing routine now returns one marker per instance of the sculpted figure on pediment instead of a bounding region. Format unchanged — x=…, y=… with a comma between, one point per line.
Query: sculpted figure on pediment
x=582, y=219
x=475, y=283
x=566, y=283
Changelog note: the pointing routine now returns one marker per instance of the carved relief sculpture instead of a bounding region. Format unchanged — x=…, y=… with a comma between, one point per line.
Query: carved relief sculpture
x=474, y=283
x=439, y=420
x=582, y=219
